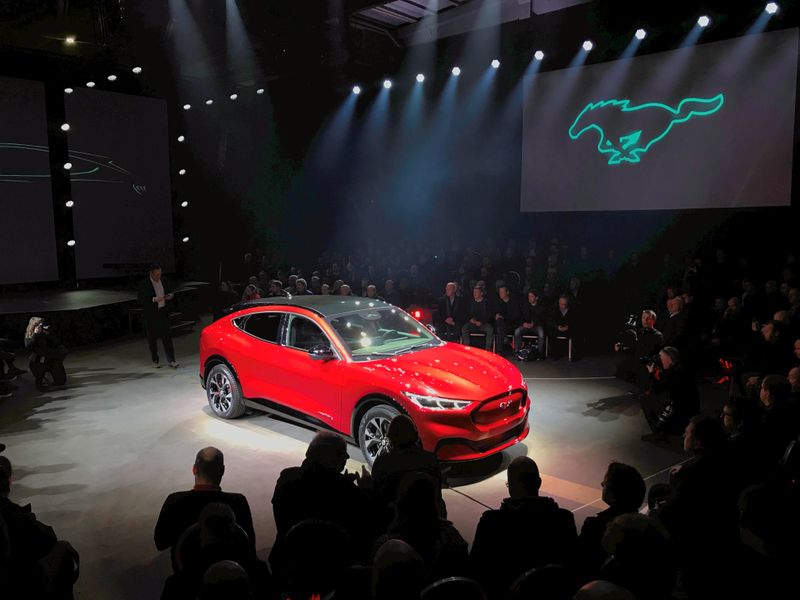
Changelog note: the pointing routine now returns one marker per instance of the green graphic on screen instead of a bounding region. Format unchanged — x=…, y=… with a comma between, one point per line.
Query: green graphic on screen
x=628, y=132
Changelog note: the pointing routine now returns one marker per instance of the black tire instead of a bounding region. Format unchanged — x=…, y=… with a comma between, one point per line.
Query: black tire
x=372, y=430
x=224, y=392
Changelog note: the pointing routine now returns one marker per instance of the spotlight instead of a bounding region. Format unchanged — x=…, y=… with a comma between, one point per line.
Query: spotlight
x=771, y=8
x=387, y=83
x=68, y=90
x=181, y=138
x=640, y=34
x=70, y=40
x=704, y=21
x=112, y=77
x=539, y=55
x=67, y=166
x=356, y=90
x=209, y=102
x=187, y=106
x=588, y=45
x=182, y=172
x=234, y=96
x=90, y=84
x=69, y=204
x=185, y=239
x=456, y=71
x=136, y=70
x=495, y=64
x=420, y=78
x=71, y=243
x=184, y=204
x=260, y=91
x=65, y=127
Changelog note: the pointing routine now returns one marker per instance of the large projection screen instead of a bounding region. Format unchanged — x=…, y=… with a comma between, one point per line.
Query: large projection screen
x=707, y=126
x=120, y=182
x=27, y=243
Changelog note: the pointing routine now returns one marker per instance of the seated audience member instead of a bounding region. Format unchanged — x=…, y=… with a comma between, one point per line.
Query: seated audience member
x=47, y=353
x=640, y=557
x=372, y=292
x=275, y=289
x=507, y=313
x=527, y=531
x=398, y=572
x=768, y=354
x=182, y=509
x=38, y=565
x=405, y=455
x=669, y=415
x=674, y=327
x=623, y=491
x=450, y=314
x=731, y=333
x=739, y=419
x=780, y=421
x=301, y=288
x=479, y=317
x=417, y=522
x=603, y=590
x=319, y=489
x=532, y=315
x=317, y=556
x=225, y=580
x=325, y=290
x=794, y=381
x=562, y=322
x=390, y=294
x=250, y=293
x=291, y=287
x=638, y=345
x=316, y=284
x=344, y=290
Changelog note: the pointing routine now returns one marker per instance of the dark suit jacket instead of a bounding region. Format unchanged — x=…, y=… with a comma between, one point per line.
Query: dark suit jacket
x=481, y=311
x=511, y=311
x=146, y=293
x=458, y=311
x=556, y=319
x=533, y=313
x=675, y=330
x=182, y=509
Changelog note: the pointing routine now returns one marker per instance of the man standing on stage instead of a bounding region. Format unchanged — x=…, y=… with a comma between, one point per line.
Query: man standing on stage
x=154, y=293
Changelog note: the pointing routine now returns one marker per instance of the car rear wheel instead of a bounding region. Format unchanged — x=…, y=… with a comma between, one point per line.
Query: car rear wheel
x=224, y=393
x=373, y=431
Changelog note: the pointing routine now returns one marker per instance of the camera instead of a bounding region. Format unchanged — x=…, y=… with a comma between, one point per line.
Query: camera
x=627, y=336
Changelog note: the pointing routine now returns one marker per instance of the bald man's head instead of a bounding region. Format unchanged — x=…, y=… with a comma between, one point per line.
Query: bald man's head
x=209, y=466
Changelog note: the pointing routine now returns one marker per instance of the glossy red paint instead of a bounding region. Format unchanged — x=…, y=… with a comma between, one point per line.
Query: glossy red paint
x=334, y=391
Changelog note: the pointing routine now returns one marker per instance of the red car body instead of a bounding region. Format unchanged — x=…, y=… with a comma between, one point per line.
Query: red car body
x=336, y=393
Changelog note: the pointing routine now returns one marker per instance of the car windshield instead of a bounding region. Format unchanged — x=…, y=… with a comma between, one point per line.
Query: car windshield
x=376, y=333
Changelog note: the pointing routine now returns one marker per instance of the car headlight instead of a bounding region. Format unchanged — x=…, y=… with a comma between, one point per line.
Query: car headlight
x=436, y=403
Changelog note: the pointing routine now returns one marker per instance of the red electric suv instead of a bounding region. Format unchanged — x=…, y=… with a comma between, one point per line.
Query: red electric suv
x=351, y=365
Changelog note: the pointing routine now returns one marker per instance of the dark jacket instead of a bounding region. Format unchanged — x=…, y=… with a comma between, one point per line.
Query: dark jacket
x=533, y=313
x=182, y=509
x=648, y=342
x=390, y=468
x=146, y=293
x=675, y=330
x=683, y=398
x=590, y=553
x=29, y=539
x=458, y=310
x=522, y=534
x=480, y=311
x=511, y=311
x=556, y=318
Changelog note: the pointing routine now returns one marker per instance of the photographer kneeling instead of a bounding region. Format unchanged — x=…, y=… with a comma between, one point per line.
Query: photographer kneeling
x=638, y=345
x=47, y=354
x=670, y=415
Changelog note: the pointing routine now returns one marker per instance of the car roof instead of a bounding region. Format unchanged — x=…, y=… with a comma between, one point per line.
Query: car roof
x=327, y=306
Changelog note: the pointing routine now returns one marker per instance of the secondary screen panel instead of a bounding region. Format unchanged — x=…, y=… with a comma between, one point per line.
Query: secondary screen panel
x=699, y=127
x=120, y=182
x=27, y=243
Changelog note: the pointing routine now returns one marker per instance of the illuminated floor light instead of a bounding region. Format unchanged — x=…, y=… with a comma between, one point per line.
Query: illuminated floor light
x=67, y=166
x=456, y=71
x=184, y=204
x=187, y=106
x=68, y=90
x=356, y=90
x=234, y=96
x=112, y=77
x=588, y=45
x=182, y=172
x=539, y=55
x=704, y=21
x=181, y=138
x=640, y=34
x=387, y=84
x=771, y=8
x=420, y=78
x=69, y=204
x=209, y=102
x=260, y=91
x=65, y=127
x=90, y=84
x=136, y=70
x=495, y=64
x=70, y=39
x=185, y=239
x=71, y=243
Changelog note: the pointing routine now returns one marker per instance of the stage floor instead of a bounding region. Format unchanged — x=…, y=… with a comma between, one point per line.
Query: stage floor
x=97, y=458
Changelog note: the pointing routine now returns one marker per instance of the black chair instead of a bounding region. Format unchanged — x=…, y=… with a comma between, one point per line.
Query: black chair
x=453, y=587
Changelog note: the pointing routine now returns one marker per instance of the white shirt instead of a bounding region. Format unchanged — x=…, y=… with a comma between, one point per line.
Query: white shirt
x=158, y=286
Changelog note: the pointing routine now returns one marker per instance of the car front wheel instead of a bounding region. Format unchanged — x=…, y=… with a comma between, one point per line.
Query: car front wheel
x=224, y=393
x=373, y=431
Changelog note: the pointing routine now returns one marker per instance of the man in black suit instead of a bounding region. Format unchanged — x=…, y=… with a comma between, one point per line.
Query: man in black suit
x=450, y=315
x=479, y=318
x=562, y=320
x=154, y=293
x=182, y=509
x=507, y=314
x=675, y=329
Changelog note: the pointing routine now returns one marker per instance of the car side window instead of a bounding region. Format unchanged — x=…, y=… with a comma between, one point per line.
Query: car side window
x=265, y=326
x=304, y=334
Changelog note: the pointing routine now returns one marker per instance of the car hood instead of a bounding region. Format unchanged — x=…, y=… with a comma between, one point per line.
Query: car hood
x=450, y=371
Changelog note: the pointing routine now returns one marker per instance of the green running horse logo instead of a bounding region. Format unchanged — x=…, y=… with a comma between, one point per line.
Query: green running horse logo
x=628, y=132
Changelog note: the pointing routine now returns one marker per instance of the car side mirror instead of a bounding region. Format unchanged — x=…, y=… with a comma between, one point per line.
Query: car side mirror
x=321, y=352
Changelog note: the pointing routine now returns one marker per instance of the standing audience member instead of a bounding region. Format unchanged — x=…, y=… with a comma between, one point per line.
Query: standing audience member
x=527, y=531
x=478, y=319
x=675, y=329
x=154, y=294
x=47, y=353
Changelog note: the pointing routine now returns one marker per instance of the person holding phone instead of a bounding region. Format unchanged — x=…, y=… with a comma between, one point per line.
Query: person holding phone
x=154, y=294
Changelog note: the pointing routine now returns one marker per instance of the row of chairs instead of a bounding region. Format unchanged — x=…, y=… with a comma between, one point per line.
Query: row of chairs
x=532, y=338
